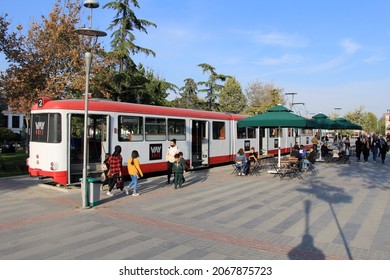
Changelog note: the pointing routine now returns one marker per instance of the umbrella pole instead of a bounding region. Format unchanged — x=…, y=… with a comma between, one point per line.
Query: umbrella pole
x=279, y=152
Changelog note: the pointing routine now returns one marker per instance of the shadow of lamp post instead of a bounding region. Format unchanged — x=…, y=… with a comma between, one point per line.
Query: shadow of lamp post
x=94, y=34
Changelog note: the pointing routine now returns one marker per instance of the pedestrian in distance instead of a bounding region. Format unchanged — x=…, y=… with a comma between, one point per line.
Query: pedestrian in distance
x=135, y=172
x=366, y=148
x=178, y=169
x=375, y=147
x=170, y=157
x=358, y=148
x=115, y=172
x=383, y=148
x=314, y=141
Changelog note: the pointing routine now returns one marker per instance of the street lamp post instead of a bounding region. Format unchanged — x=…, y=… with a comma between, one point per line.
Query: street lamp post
x=292, y=97
x=92, y=4
x=337, y=109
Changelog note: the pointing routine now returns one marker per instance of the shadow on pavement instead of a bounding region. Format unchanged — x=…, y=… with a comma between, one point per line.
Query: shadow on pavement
x=306, y=250
x=332, y=195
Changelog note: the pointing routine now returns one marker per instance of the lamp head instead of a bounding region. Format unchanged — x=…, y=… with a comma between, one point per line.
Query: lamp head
x=91, y=4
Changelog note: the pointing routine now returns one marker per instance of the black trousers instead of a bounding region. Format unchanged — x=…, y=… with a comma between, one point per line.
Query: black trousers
x=366, y=154
x=170, y=166
x=358, y=153
x=383, y=156
x=113, y=181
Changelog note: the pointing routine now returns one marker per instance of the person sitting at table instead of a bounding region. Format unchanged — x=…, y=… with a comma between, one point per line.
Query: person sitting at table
x=303, y=151
x=252, y=159
x=295, y=153
x=312, y=155
x=325, y=151
x=241, y=162
x=253, y=156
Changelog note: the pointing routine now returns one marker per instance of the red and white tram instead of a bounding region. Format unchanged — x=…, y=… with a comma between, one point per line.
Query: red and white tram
x=205, y=138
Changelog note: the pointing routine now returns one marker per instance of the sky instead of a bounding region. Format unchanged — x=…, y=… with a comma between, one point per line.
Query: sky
x=332, y=53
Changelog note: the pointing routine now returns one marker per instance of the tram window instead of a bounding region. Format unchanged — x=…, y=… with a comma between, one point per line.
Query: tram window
x=218, y=130
x=155, y=129
x=176, y=129
x=275, y=132
x=46, y=128
x=251, y=132
x=307, y=132
x=131, y=128
x=241, y=132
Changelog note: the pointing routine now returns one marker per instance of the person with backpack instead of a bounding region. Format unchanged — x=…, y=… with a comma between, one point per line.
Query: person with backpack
x=115, y=171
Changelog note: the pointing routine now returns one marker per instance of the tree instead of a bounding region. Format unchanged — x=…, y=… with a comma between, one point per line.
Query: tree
x=382, y=125
x=156, y=89
x=212, y=87
x=122, y=38
x=48, y=61
x=262, y=97
x=367, y=120
x=188, y=95
x=370, y=123
x=231, y=98
x=122, y=44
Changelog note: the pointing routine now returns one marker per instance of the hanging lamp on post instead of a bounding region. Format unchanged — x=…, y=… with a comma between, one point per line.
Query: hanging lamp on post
x=92, y=4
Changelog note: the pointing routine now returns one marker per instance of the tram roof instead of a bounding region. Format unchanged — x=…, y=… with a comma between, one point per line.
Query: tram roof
x=103, y=105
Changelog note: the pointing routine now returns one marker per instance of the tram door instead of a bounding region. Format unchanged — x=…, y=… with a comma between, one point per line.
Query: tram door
x=98, y=144
x=200, y=143
x=263, y=142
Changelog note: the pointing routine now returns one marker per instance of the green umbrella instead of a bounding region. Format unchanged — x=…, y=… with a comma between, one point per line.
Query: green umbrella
x=347, y=124
x=322, y=121
x=278, y=116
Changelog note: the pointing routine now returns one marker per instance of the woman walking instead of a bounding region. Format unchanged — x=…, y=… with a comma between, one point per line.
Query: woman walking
x=134, y=171
x=115, y=172
x=383, y=148
x=366, y=148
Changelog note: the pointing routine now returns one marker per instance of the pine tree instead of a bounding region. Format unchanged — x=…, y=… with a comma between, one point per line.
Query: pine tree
x=231, y=98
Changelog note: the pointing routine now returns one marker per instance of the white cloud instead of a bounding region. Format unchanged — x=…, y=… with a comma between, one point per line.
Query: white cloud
x=284, y=59
x=275, y=38
x=374, y=59
x=349, y=46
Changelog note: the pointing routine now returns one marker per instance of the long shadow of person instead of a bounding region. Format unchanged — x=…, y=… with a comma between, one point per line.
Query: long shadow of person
x=306, y=250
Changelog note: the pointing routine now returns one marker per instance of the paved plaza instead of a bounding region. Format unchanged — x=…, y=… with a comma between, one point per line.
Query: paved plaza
x=341, y=212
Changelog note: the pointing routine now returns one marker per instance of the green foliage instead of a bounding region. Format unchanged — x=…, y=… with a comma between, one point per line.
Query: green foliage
x=231, y=98
x=13, y=164
x=367, y=120
x=370, y=123
x=124, y=23
x=7, y=135
x=188, y=96
x=212, y=88
x=382, y=125
x=262, y=97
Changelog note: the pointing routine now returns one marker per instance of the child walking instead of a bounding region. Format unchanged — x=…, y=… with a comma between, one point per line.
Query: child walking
x=178, y=172
x=134, y=172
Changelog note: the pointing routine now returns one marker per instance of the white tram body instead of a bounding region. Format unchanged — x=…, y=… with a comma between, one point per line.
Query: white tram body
x=205, y=138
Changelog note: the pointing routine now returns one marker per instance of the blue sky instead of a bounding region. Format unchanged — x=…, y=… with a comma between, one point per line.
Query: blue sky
x=332, y=53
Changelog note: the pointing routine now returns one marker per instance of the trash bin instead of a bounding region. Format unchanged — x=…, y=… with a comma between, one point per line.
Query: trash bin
x=94, y=191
